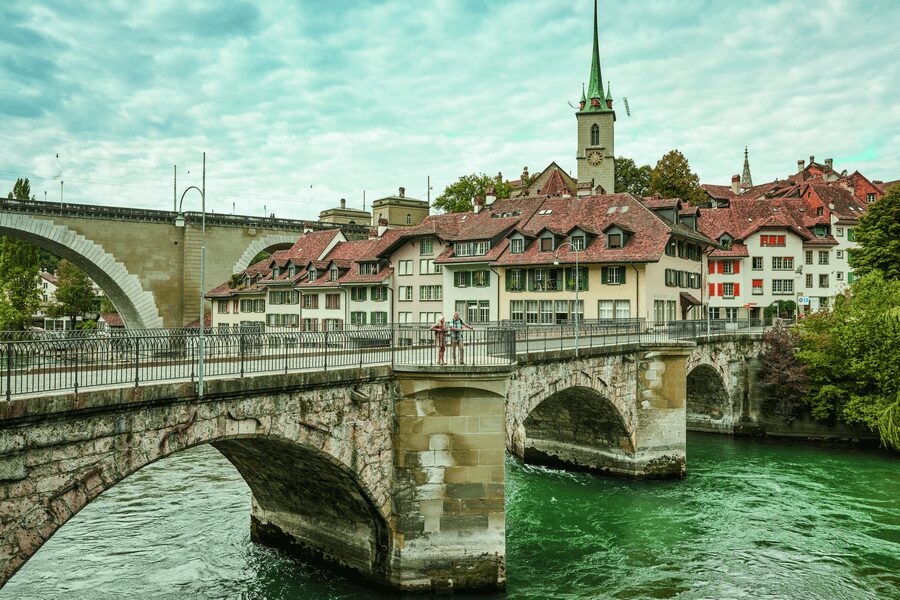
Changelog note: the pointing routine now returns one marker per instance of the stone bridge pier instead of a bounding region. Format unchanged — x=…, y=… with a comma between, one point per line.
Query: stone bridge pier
x=396, y=476
x=616, y=411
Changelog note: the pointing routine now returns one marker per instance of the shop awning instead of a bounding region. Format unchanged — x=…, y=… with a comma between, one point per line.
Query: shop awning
x=688, y=300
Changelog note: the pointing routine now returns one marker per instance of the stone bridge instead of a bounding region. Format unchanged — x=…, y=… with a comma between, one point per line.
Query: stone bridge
x=148, y=266
x=394, y=473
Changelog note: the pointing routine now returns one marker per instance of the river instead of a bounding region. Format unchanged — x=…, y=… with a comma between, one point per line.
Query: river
x=753, y=519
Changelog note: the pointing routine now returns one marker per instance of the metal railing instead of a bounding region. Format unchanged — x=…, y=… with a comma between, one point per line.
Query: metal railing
x=80, y=360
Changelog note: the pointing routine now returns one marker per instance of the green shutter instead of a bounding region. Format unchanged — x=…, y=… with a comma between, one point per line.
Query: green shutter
x=585, y=278
x=604, y=275
x=530, y=280
x=509, y=279
x=624, y=272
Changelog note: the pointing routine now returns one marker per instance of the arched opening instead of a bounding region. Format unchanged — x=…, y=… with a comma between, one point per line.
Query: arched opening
x=708, y=405
x=595, y=135
x=579, y=428
x=303, y=500
x=267, y=244
x=136, y=305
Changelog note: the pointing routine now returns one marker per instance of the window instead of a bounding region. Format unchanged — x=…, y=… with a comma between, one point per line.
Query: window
x=577, y=277
x=870, y=198
x=728, y=290
x=728, y=267
x=481, y=278
x=222, y=307
x=839, y=232
x=659, y=311
x=515, y=280
x=809, y=257
x=670, y=247
x=517, y=310
x=474, y=311
x=839, y=275
x=471, y=248
x=405, y=293
x=546, y=312
x=408, y=219
x=782, y=286
x=731, y=314
x=309, y=324
x=380, y=317
x=313, y=274
x=614, y=240
x=286, y=320
x=332, y=301
x=379, y=294
x=292, y=271
x=333, y=274
x=670, y=310
x=517, y=245
x=809, y=280
x=757, y=288
x=531, y=311
x=430, y=293
x=671, y=276
x=605, y=309
x=427, y=266
x=357, y=318
x=578, y=242
x=426, y=246
x=823, y=280
x=595, y=135
x=405, y=267
x=623, y=309
x=547, y=244
x=757, y=263
x=358, y=294
x=404, y=317
x=284, y=297
x=851, y=235
x=820, y=211
x=726, y=242
x=840, y=254
x=612, y=275
x=714, y=313
x=771, y=240
x=370, y=268
x=332, y=324
x=820, y=231
x=782, y=263
x=823, y=257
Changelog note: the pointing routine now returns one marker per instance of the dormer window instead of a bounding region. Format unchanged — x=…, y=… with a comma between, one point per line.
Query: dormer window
x=870, y=198
x=517, y=245
x=313, y=275
x=276, y=272
x=547, y=244
x=820, y=211
x=368, y=268
x=614, y=240
x=577, y=242
x=333, y=274
x=292, y=270
x=726, y=242
x=248, y=281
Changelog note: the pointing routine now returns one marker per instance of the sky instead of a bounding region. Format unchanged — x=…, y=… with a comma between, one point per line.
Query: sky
x=300, y=104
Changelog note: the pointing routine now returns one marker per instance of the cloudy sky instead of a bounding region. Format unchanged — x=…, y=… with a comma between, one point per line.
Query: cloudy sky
x=299, y=104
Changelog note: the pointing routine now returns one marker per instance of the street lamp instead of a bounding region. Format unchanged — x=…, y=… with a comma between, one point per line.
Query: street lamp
x=577, y=285
x=179, y=222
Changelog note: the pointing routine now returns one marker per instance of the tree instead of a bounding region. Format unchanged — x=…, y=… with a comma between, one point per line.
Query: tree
x=672, y=178
x=878, y=236
x=458, y=196
x=74, y=293
x=782, y=374
x=20, y=296
x=632, y=179
x=852, y=358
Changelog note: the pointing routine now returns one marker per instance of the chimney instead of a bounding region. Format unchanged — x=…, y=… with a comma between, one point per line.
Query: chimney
x=490, y=195
x=478, y=204
x=812, y=159
x=800, y=166
x=524, y=173
x=829, y=163
x=403, y=192
x=382, y=226
x=343, y=203
x=735, y=184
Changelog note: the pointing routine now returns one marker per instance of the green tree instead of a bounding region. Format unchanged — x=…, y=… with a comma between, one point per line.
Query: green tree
x=878, y=236
x=458, y=196
x=852, y=358
x=74, y=293
x=782, y=374
x=20, y=295
x=672, y=178
x=632, y=179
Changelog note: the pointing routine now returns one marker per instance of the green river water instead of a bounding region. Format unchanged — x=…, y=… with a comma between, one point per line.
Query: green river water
x=753, y=519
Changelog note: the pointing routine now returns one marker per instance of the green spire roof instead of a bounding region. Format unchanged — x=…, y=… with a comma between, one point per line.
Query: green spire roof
x=595, y=85
x=609, y=90
x=583, y=98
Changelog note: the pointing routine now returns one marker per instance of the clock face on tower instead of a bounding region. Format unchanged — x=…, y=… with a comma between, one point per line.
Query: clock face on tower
x=594, y=157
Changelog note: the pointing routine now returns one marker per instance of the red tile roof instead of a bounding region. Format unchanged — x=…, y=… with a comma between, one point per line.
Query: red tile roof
x=737, y=251
x=555, y=186
x=195, y=324
x=112, y=319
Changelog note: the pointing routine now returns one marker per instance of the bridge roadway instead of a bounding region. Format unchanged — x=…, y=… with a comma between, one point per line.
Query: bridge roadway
x=81, y=365
x=367, y=456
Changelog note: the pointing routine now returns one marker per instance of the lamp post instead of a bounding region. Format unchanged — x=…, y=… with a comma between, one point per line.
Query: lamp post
x=179, y=222
x=577, y=285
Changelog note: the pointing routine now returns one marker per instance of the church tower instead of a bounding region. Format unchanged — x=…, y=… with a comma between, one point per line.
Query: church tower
x=596, y=121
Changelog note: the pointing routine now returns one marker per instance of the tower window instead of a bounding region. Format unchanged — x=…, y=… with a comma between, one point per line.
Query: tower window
x=595, y=135
x=409, y=219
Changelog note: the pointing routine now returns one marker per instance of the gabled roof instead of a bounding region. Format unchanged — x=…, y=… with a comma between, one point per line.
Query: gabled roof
x=555, y=186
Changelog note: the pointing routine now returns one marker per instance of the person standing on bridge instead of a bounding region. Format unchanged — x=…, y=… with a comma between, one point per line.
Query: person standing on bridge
x=457, y=325
x=440, y=335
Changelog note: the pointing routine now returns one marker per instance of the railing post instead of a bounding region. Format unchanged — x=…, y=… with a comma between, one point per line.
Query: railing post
x=326, y=350
x=393, y=344
x=137, y=361
x=76, y=371
x=8, y=371
x=241, y=349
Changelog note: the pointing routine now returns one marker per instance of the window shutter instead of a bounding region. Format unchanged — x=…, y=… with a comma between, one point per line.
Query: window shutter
x=622, y=271
x=711, y=265
x=604, y=275
x=721, y=289
x=712, y=290
x=585, y=278
x=737, y=269
x=721, y=266
x=508, y=279
x=737, y=290
x=530, y=280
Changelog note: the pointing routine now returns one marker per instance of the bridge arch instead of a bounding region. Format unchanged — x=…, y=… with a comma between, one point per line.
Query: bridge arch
x=708, y=406
x=268, y=243
x=136, y=305
x=305, y=497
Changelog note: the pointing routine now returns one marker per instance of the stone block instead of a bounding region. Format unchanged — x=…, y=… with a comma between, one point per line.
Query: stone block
x=431, y=508
x=465, y=490
x=480, y=441
x=456, y=474
x=491, y=457
x=492, y=424
x=464, y=522
x=440, y=441
x=435, y=425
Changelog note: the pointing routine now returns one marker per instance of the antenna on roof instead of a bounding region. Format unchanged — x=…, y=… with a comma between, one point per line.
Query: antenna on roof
x=627, y=108
x=575, y=106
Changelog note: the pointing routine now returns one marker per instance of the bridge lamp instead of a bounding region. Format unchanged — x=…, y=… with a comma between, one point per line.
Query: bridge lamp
x=577, y=286
x=179, y=222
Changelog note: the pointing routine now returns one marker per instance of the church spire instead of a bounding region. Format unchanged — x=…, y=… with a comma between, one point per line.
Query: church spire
x=595, y=96
x=746, y=179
